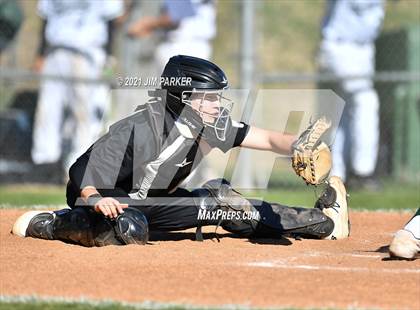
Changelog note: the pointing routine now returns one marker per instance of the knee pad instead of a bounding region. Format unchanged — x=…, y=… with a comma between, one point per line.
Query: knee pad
x=226, y=196
x=215, y=185
x=217, y=197
x=132, y=227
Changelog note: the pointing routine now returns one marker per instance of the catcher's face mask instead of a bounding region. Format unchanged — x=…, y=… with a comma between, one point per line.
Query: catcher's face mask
x=213, y=108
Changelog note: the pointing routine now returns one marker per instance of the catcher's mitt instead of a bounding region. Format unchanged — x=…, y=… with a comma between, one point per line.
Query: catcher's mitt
x=311, y=157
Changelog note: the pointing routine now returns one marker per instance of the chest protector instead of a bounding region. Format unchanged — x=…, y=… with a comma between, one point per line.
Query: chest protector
x=177, y=154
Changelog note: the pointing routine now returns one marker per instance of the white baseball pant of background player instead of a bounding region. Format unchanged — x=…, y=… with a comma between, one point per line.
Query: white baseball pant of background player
x=360, y=123
x=349, y=30
x=84, y=100
x=76, y=33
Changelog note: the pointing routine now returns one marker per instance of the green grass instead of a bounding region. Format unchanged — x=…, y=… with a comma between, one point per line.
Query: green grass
x=20, y=195
x=393, y=196
x=402, y=198
x=55, y=305
x=58, y=306
x=34, y=304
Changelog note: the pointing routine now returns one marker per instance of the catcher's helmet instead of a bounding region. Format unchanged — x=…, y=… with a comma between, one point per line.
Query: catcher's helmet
x=204, y=79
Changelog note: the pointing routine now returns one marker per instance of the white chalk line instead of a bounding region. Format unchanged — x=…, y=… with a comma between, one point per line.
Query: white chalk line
x=272, y=264
x=290, y=262
x=375, y=256
x=317, y=254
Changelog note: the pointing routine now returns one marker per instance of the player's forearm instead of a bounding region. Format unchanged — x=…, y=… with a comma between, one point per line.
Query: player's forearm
x=164, y=21
x=281, y=142
x=268, y=140
x=88, y=191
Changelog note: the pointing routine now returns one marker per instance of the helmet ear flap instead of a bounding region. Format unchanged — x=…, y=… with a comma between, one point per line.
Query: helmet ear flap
x=178, y=101
x=174, y=103
x=184, y=112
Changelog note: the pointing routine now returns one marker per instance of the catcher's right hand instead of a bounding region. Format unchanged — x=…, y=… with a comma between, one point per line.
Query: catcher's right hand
x=311, y=158
x=109, y=207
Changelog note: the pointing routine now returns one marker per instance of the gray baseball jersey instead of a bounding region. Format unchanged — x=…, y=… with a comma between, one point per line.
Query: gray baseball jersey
x=81, y=24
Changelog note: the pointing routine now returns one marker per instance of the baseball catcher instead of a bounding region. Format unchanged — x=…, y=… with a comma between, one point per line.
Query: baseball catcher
x=127, y=183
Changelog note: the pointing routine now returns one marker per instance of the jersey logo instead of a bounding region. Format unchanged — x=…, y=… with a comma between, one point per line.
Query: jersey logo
x=184, y=163
x=189, y=123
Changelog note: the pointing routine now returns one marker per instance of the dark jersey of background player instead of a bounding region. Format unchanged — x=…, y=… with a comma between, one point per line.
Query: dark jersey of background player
x=149, y=153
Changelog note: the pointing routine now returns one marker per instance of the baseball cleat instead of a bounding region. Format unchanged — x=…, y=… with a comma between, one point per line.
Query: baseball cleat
x=333, y=203
x=404, y=245
x=36, y=224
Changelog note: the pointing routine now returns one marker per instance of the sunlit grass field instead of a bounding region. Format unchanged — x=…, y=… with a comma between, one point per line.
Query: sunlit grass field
x=41, y=304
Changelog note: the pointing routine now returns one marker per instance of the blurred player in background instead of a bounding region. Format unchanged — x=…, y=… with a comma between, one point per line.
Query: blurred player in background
x=11, y=18
x=188, y=25
x=135, y=57
x=349, y=30
x=406, y=243
x=75, y=40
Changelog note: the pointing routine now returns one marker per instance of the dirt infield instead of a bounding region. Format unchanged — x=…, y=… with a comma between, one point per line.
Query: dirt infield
x=262, y=273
